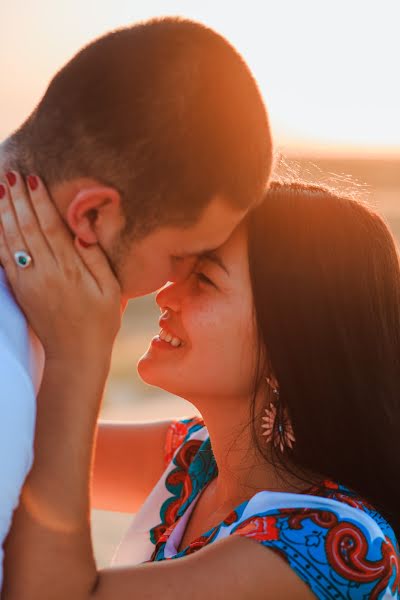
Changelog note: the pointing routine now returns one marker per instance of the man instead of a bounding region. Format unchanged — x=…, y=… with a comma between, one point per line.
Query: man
x=154, y=143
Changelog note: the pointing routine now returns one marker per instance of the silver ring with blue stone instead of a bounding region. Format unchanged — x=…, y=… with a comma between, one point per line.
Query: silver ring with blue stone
x=22, y=259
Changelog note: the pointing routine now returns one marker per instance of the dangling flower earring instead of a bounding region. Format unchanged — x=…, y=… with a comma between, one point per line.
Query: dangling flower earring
x=279, y=433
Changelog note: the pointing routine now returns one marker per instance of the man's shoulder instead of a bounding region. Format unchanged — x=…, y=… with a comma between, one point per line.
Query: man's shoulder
x=14, y=333
x=19, y=346
x=6, y=294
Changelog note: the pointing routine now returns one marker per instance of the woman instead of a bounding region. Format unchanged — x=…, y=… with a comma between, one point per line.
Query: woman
x=287, y=340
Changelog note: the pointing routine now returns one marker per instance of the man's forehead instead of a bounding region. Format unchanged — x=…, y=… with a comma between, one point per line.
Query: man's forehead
x=206, y=237
x=215, y=249
x=198, y=253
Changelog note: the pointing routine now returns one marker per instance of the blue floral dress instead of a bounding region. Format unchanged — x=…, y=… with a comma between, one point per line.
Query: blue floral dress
x=336, y=542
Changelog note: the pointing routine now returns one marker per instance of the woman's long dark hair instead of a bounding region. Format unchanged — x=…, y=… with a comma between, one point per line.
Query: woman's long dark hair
x=326, y=284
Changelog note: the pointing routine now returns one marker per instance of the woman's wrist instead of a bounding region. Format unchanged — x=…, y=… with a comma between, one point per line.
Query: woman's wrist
x=79, y=372
x=77, y=356
x=79, y=345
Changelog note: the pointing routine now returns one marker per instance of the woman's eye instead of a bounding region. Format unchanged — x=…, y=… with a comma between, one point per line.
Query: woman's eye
x=204, y=279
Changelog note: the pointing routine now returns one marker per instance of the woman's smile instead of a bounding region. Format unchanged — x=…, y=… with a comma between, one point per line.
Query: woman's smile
x=165, y=340
x=168, y=338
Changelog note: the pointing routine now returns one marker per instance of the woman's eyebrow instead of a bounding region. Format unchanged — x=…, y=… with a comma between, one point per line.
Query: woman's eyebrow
x=211, y=256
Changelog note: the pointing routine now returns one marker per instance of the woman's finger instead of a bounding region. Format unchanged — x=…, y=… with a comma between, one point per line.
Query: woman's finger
x=12, y=234
x=97, y=263
x=53, y=227
x=25, y=215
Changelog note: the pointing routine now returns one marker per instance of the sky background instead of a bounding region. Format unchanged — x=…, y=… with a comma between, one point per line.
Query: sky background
x=329, y=70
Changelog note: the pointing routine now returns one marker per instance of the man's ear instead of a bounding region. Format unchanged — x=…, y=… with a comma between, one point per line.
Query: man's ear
x=91, y=210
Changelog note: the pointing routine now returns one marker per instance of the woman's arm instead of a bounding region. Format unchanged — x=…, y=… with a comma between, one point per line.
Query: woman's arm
x=234, y=568
x=128, y=462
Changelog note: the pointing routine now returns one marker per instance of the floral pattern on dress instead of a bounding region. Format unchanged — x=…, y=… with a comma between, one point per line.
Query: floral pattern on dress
x=182, y=451
x=176, y=434
x=334, y=540
x=332, y=554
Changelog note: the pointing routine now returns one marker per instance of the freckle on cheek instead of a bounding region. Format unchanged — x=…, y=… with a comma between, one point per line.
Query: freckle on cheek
x=207, y=317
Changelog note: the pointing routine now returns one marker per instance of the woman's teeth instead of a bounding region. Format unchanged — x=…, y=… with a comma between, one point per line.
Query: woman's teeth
x=167, y=337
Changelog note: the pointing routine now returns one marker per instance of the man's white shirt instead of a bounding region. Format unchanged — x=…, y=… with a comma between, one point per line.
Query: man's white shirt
x=21, y=369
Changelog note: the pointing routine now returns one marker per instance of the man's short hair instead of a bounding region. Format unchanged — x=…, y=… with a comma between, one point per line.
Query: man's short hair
x=166, y=111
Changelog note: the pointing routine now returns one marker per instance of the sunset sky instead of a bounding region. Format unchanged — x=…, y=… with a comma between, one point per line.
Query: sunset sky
x=329, y=70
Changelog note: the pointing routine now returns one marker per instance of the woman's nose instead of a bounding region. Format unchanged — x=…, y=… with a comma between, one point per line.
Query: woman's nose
x=170, y=296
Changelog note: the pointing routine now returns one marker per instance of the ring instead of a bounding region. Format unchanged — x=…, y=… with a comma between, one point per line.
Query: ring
x=22, y=259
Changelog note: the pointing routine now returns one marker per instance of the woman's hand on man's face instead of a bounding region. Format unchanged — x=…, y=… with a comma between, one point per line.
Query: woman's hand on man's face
x=68, y=292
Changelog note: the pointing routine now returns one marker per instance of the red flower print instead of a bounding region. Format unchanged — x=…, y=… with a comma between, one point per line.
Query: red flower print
x=176, y=433
x=261, y=528
x=231, y=518
x=347, y=548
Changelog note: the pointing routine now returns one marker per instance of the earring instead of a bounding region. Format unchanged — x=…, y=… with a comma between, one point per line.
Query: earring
x=280, y=433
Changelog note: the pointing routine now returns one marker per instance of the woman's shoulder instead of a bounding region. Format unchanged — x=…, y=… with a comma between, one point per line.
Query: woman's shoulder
x=335, y=540
x=346, y=496
x=328, y=502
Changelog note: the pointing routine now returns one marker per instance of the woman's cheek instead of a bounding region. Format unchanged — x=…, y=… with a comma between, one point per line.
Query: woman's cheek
x=218, y=346
x=206, y=322
x=230, y=339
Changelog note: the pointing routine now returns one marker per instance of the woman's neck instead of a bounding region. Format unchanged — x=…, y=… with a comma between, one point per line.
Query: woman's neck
x=242, y=470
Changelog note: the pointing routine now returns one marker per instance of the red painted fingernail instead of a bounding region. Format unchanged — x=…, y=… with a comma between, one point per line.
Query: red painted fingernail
x=33, y=182
x=83, y=243
x=11, y=178
x=2, y=191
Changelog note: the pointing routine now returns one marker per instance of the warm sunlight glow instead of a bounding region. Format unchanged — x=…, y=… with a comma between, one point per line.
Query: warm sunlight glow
x=328, y=70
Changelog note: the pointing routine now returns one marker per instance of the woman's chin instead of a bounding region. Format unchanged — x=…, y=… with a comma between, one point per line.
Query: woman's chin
x=153, y=373
x=146, y=369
